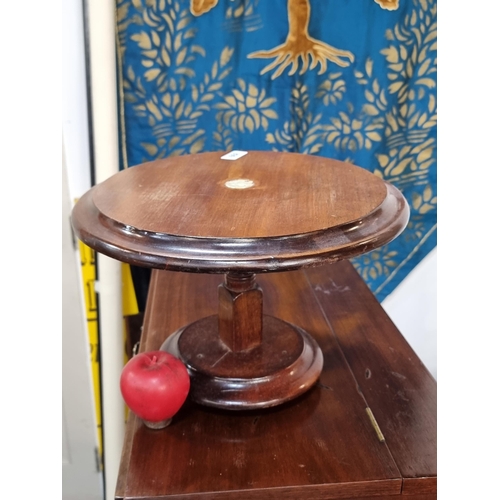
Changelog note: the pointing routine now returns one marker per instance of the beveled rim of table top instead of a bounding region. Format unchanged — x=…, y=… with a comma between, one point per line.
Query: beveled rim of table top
x=180, y=214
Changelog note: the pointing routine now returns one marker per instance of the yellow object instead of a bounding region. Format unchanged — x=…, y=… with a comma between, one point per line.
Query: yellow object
x=130, y=307
x=87, y=261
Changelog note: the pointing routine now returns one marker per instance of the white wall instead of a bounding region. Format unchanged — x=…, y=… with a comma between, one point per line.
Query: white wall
x=75, y=125
x=81, y=478
x=413, y=308
x=74, y=100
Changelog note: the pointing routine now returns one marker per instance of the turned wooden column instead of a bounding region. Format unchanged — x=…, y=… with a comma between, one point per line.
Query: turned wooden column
x=240, y=311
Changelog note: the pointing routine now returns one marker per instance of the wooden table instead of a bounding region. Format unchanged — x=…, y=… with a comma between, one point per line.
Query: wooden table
x=367, y=429
x=304, y=388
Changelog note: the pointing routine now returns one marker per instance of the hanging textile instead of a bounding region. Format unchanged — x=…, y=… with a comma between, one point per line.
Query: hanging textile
x=351, y=80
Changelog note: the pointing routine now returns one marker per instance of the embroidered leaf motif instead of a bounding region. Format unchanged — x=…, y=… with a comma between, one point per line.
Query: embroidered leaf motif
x=182, y=95
x=246, y=108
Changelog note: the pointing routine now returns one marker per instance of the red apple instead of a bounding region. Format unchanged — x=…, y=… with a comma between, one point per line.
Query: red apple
x=155, y=385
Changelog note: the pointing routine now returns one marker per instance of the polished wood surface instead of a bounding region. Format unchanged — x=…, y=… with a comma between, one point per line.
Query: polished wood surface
x=390, y=376
x=287, y=211
x=263, y=212
x=322, y=445
x=240, y=312
x=241, y=358
x=206, y=197
x=283, y=366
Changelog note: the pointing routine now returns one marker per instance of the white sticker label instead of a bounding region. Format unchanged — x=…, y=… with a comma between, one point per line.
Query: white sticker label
x=234, y=155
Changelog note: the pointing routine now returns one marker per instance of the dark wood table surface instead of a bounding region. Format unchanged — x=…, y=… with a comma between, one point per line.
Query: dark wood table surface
x=367, y=429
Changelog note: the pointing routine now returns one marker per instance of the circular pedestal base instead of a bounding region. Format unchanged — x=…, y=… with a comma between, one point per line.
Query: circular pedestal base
x=286, y=364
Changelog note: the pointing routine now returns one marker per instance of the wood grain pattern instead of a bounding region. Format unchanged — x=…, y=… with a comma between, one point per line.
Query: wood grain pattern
x=319, y=446
x=189, y=195
x=240, y=312
x=241, y=359
x=301, y=493
x=419, y=485
x=397, y=386
x=286, y=364
x=178, y=213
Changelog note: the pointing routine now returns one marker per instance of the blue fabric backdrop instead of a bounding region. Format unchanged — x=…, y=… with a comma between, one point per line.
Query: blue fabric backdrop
x=353, y=80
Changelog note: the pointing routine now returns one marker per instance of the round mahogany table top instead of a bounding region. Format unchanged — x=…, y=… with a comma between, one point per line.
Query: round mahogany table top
x=264, y=211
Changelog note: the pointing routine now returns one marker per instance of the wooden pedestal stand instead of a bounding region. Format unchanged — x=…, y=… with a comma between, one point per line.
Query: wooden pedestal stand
x=263, y=212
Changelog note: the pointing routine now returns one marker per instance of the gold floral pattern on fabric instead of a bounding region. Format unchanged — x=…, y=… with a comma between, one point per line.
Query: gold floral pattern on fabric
x=349, y=80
